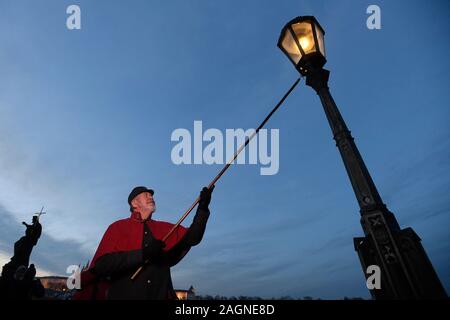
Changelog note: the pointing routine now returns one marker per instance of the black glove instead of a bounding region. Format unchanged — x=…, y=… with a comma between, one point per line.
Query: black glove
x=205, y=197
x=154, y=250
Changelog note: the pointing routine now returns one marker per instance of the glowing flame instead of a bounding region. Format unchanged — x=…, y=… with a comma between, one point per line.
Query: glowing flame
x=305, y=43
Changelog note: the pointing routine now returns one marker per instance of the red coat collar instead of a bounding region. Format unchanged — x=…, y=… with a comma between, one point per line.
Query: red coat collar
x=136, y=215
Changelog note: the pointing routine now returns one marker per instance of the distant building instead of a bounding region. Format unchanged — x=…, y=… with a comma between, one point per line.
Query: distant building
x=186, y=294
x=54, y=283
x=59, y=284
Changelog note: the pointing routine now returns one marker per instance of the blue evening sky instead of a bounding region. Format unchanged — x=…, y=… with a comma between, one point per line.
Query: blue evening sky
x=85, y=115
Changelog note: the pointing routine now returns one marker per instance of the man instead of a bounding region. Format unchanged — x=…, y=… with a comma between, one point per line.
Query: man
x=136, y=241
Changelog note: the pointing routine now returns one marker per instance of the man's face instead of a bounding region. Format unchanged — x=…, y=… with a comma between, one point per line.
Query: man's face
x=144, y=202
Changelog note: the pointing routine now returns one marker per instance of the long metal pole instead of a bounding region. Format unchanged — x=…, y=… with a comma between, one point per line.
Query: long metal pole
x=225, y=168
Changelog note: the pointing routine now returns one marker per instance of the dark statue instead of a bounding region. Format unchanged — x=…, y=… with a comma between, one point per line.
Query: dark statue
x=17, y=280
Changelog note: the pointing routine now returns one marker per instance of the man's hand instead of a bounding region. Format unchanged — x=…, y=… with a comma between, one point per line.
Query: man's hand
x=205, y=197
x=154, y=250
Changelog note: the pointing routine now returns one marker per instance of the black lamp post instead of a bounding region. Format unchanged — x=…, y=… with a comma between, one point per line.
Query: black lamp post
x=406, y=271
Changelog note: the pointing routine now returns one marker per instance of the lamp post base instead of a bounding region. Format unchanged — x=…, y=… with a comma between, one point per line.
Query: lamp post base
x=409, y=276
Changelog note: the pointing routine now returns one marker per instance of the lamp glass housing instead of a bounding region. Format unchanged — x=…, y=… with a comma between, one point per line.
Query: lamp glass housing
x=302, y=40
x=290, y=45
x=320, y=39
x=304, y=33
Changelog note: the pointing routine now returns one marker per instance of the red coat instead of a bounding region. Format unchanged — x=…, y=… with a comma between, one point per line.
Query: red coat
x=124, y=235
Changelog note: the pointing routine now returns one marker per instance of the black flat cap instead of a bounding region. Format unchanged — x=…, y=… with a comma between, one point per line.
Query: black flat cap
x=137, y=191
